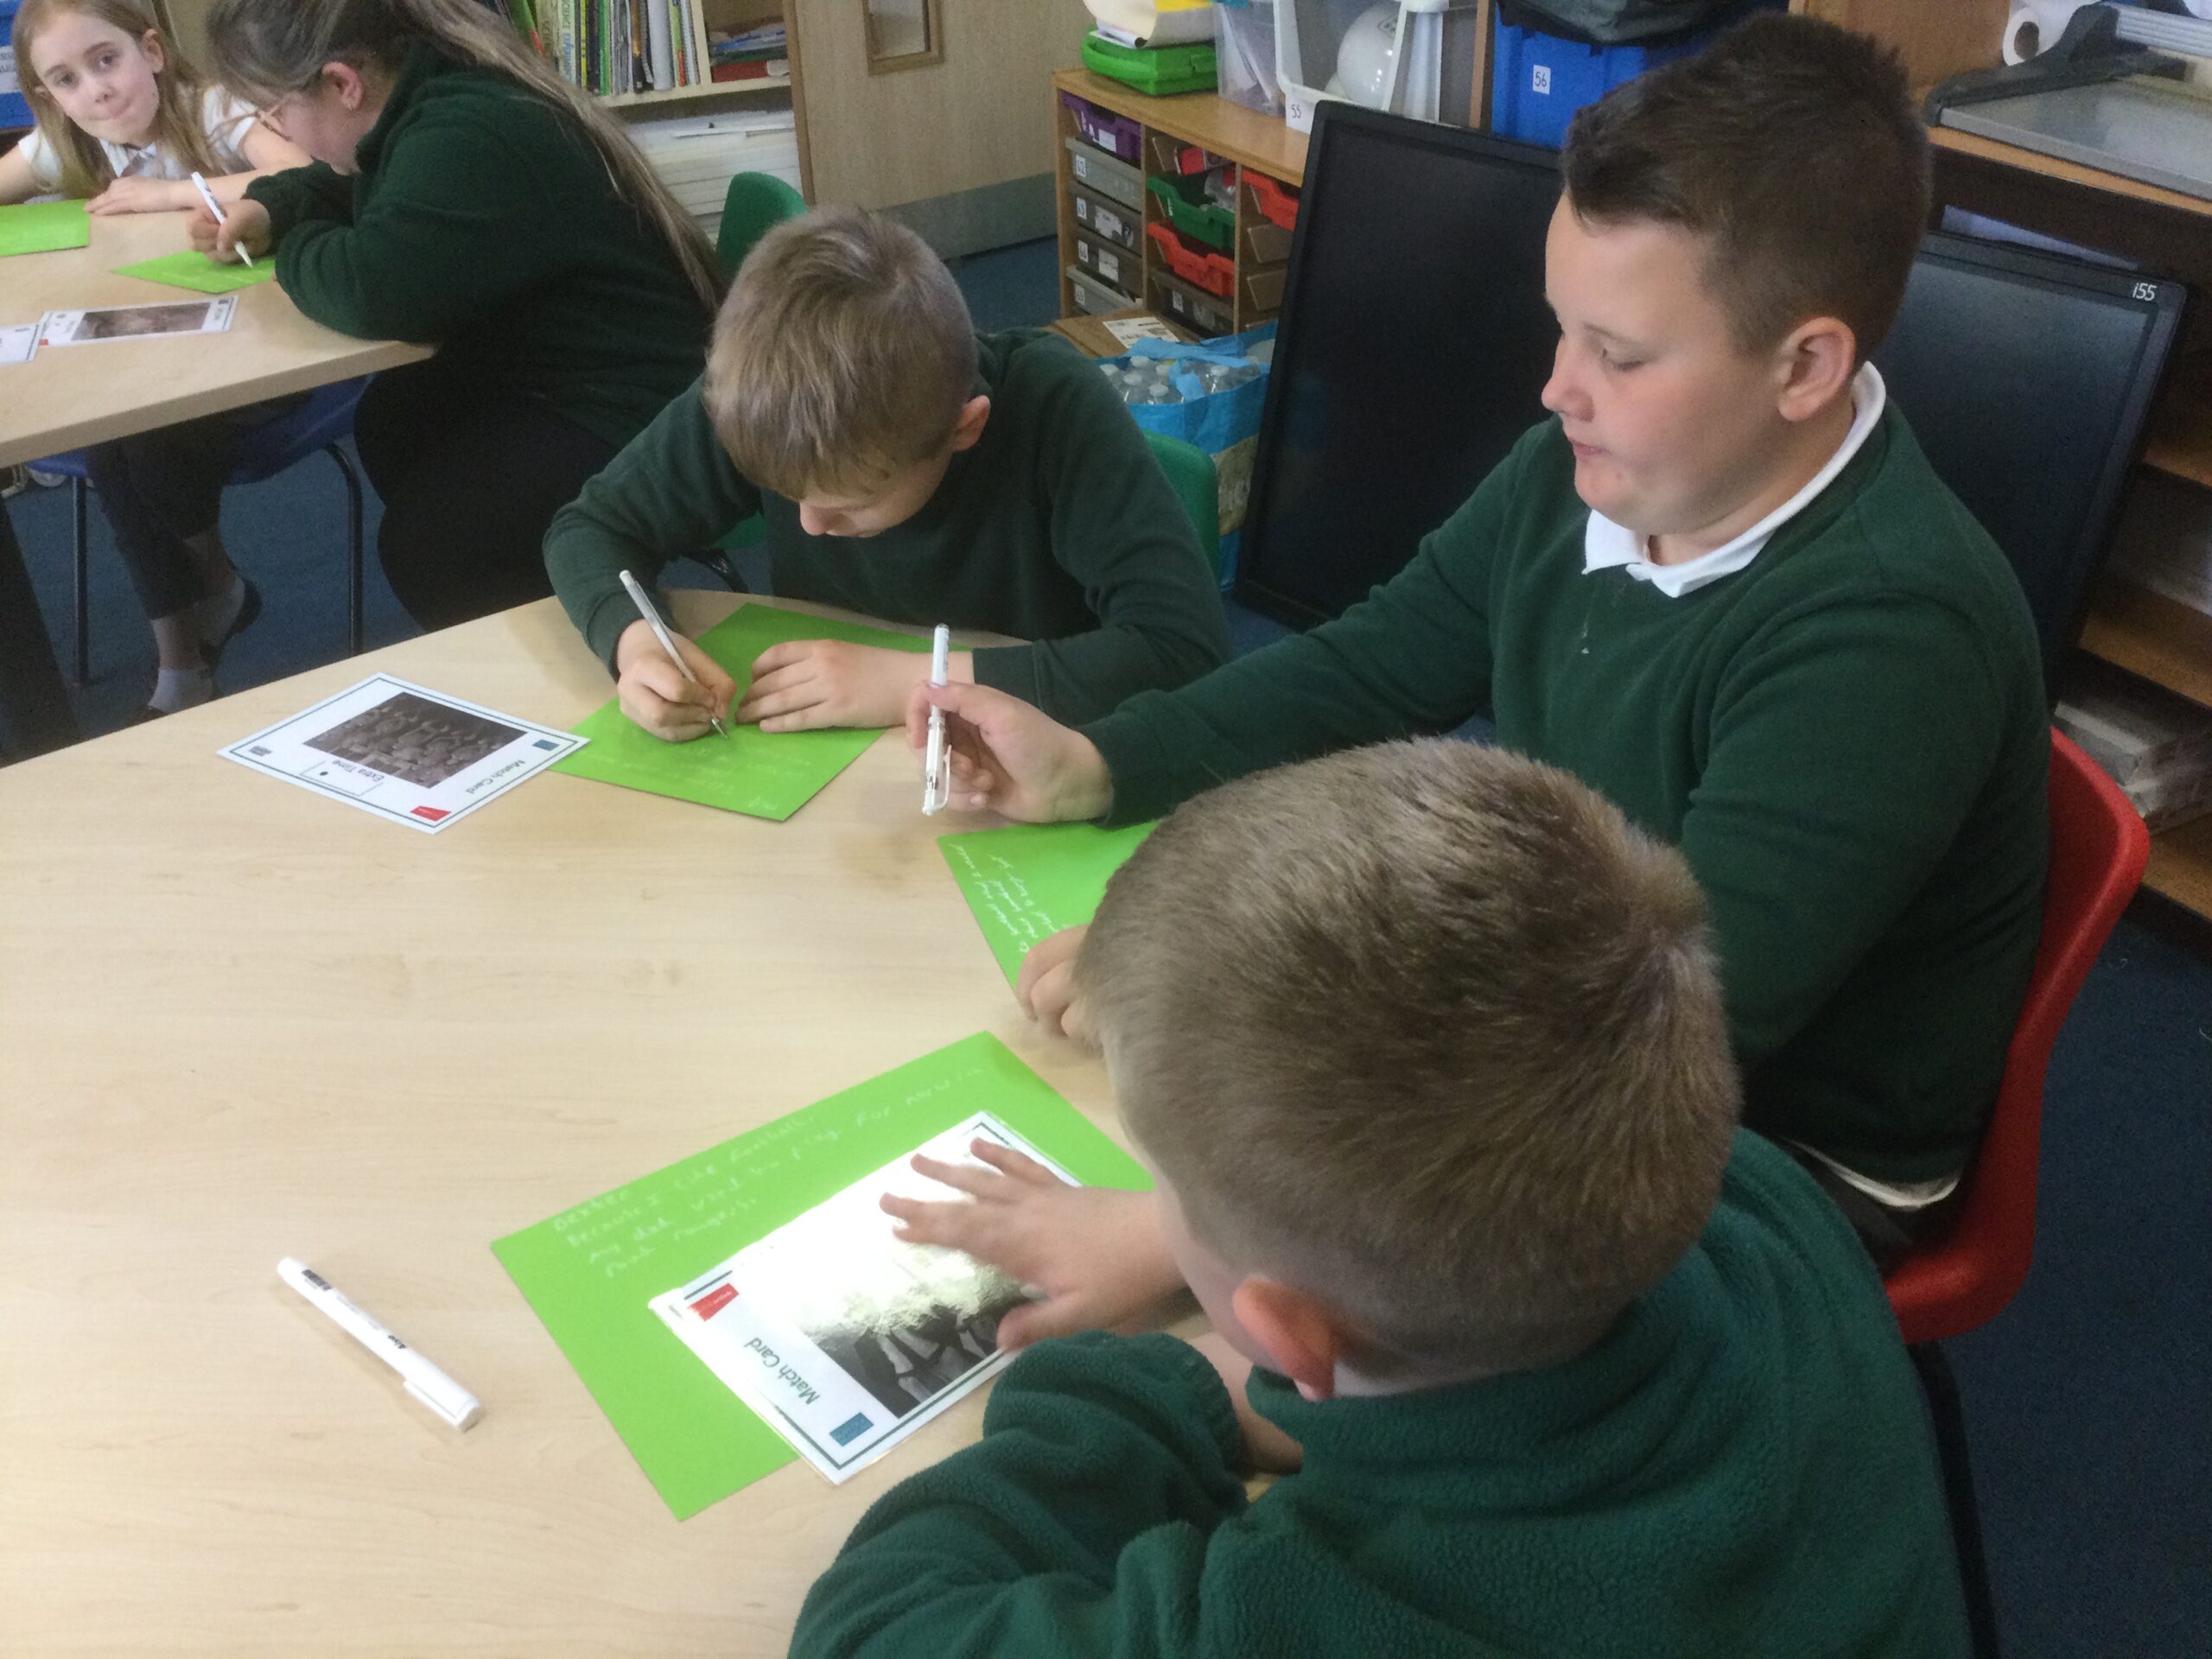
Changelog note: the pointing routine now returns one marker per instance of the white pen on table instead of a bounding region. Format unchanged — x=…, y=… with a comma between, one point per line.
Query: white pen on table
x=667, y=644
x=937, y=770
x=222, y=218
x=456, y=1404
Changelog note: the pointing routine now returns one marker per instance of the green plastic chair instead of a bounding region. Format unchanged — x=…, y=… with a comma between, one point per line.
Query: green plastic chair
x=755, y=204
x=1191, y=471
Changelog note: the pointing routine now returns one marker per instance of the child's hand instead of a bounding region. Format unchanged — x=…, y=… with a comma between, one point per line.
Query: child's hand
x=144, y=196
x=1045, y=986
x=246, y=225
x=803, y=683
x=655, y=693
x=1095, y=1252
x=1008, y=757
x=1268, y=1450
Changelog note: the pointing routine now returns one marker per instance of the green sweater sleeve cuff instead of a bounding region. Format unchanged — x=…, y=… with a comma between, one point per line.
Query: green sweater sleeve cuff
x=1010, y=669
x=1147, y=783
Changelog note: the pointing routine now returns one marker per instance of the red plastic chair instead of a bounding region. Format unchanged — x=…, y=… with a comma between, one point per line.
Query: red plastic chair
x=2098, y=848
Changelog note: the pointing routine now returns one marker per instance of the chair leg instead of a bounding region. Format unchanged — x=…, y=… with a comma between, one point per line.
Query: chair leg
x=337, y=453
x=1950, y=1425
x=79, y=579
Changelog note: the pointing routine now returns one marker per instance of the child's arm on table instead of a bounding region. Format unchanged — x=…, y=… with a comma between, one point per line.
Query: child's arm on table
x=1097, y=1252
x=1077, y=1525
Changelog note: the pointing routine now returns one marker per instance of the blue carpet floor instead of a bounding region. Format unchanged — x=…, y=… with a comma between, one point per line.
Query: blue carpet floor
x=2089, y=1403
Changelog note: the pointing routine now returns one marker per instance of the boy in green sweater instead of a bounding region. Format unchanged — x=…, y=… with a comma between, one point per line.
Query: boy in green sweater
x=1724, y=590
x=907, y=468
x=1425, y=1048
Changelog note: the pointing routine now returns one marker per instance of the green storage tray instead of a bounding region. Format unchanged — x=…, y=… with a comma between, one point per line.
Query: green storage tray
x=1158, y=70
x=1183, y=202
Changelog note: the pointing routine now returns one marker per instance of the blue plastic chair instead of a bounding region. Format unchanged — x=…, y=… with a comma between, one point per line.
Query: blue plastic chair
x=266, y=450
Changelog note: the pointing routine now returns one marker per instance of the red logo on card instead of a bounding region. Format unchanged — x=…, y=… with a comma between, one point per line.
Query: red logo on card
x=433, y=813
x=714, y=1300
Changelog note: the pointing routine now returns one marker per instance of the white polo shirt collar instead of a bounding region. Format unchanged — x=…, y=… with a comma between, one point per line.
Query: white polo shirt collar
x=1607, y=545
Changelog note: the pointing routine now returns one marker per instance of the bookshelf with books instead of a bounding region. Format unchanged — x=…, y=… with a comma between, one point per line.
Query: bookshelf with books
x=707, y=87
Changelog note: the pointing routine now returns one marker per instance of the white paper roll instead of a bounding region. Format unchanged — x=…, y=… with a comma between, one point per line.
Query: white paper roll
x=2035, y=25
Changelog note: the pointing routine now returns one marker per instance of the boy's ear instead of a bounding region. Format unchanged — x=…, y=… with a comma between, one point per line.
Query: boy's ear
x=970, y=428
x=1816, y=363
x=1302, y=1339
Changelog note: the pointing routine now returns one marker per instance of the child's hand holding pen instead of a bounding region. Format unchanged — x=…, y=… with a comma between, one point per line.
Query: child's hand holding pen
x=243, y=228
x=655, y=693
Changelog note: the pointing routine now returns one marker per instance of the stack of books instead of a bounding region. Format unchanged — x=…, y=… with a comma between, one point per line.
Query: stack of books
x=755, y=53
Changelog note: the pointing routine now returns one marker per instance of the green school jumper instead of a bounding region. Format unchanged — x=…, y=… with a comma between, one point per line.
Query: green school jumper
x=483, y=221
x=1847, y=739
x=1057, y=527
x=1739, y=1467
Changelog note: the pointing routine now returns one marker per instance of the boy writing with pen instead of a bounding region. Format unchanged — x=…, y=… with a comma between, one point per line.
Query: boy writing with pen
x=1424, y=1047
x=905, y=467
x=1724, y=588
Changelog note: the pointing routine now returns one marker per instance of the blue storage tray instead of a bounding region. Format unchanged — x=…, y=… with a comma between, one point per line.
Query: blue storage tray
x=1538, y=81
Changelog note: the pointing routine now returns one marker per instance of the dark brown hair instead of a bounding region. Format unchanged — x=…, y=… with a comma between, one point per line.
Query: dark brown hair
x=1431, y=1032
x=1792, y=146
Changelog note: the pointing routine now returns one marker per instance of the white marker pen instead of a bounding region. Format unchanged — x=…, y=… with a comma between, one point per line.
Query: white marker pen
x=936, y=768
x=425, y=1381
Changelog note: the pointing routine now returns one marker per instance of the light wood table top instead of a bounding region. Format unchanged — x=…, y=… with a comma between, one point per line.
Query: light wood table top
x=241, y=1022
x=65, y=399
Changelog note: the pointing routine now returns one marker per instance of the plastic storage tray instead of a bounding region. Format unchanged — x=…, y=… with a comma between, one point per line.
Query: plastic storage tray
x=1155, y=70
x=1214, y=272
x=1101, y=174
x=1108, y=221
x=1116, y=267
x=1184, y=204
x=1538, y=81
x=1093, y=296
x=1117, y=134
x=1278, y=203
x=1180, y=302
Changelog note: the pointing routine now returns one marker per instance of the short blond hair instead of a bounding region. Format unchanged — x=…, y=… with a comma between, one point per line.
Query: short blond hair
x=843, y=353
x=1431, y=1032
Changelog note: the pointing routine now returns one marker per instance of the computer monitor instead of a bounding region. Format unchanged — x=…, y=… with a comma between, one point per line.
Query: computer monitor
x=1415, y=342
x=2028, y=379
x=1414, y=339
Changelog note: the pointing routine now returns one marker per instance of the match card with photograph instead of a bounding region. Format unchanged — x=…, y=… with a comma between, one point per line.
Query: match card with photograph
x=404, y=753
x=166, y=317
x=843, y=1337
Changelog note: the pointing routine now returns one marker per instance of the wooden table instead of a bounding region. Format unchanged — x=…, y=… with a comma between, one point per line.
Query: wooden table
x=67, y=399
x=240, y=1022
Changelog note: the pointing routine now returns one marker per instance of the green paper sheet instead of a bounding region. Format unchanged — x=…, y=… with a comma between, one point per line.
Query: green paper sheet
x=590, y=1271
x=1031, y=879
x=198, y=273
x=44, y=227
x=749, y=771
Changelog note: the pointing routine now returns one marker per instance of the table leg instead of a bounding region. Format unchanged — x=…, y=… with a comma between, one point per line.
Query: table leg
x=34, y=705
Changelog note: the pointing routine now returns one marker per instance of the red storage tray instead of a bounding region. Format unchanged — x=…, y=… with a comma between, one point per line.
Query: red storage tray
x=1214, y=272
x=1278, y=201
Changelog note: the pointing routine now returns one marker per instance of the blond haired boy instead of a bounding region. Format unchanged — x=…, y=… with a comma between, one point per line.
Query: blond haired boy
x=1425, y=1048
x=905, y=467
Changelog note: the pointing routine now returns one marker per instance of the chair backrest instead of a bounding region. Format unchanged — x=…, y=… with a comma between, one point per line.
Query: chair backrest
x=1190, y=470
x=755, y=203
x=2098, y=848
